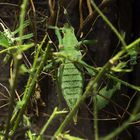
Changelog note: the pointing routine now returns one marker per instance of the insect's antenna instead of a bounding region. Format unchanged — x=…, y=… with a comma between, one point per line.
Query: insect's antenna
x=58, y=11
x=67, y=16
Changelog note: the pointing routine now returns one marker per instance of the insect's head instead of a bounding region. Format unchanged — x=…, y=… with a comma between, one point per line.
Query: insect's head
x=67, y=29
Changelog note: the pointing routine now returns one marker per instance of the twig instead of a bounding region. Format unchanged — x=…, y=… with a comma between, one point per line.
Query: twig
x=54, y=115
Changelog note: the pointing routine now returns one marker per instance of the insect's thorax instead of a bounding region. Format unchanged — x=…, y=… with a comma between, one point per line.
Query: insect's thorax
x=71, y=53
x=69, y=48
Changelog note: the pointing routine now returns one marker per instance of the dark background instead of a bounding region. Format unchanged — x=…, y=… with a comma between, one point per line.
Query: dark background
x=125, y=16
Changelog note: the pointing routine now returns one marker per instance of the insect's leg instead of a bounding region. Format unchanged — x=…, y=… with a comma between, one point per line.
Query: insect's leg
x=58, y=34
x=86, y=42
x=48, y=66
x=90, y=69
x=59, y=82
x=51, y=65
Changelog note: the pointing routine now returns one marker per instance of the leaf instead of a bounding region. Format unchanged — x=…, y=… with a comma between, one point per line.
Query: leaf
x=69, y=137
x=19, y=104
x=6, y=58
x=28, y=36
x=4, y=41
x=23, y=69
x=133, y=53
x=107, y=93
x=25, y=47
x=121, y=67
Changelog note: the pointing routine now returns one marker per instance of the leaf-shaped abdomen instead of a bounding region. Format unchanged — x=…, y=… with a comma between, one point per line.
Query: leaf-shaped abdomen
x=71, y=83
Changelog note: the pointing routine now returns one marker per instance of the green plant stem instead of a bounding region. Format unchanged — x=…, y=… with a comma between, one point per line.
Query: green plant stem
x=119, y=129
x=30, y=78
x=113, y=60
x=54, y=115
x=38, y=51
x=26, y=122
x=124, y=50
x=34, y=67
x=126, y=124
x=109, y=24
x=16, y=48
x=137, y=88
x=95, y=112
x=22, y=17
x=17, y=58
x=13, y=84
x=30, y=86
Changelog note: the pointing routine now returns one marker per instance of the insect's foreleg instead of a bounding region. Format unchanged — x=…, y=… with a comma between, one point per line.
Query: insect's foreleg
x=58, y=34
x=85, y=42
x=59, y=78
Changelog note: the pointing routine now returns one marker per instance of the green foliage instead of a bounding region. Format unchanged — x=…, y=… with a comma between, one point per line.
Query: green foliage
x=106, y=93
x=4, y=40
x=10, y=43
x=8, y=39
x=133, y=53
x=121, y=67
x=29, y=134
x=67, y=136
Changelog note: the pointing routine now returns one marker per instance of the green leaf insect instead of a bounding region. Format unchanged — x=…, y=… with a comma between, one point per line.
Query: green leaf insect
x=69, y=76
